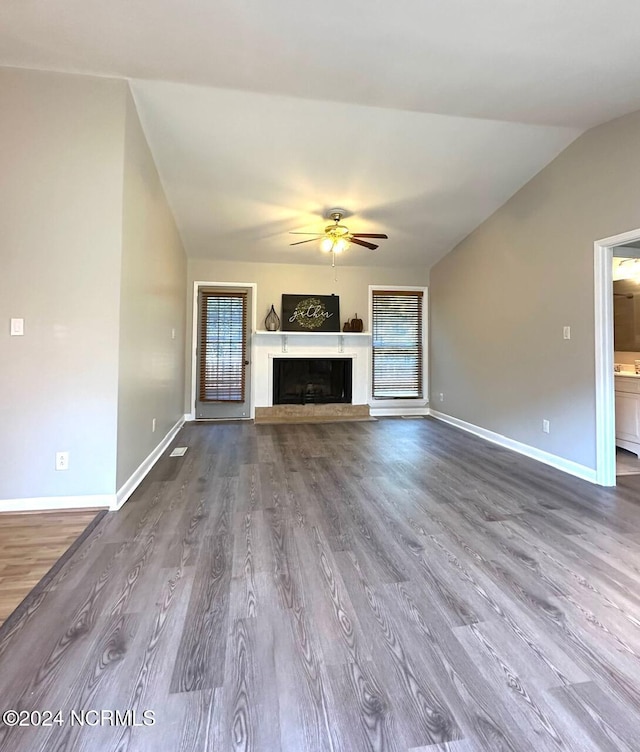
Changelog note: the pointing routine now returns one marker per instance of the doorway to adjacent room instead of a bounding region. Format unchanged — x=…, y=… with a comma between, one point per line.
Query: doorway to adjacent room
x=608, y=408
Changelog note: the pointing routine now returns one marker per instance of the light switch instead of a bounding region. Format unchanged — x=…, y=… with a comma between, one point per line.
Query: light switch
x=17, y=327
x=566, y=332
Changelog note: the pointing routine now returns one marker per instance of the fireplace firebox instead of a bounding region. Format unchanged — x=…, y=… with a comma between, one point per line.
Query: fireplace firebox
x=300, y=381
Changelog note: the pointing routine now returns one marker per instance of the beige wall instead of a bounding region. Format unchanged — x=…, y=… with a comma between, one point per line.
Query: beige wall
x=61, y=142
x=626, y=358
x=500, y=299
x=152, y=308
x=91, y=259
x=272, y=280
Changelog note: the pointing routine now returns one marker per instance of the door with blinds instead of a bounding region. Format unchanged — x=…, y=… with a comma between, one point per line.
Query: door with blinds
x=223, y=368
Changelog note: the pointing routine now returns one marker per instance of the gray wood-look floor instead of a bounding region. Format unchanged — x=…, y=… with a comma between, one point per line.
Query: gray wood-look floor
x=396, y=585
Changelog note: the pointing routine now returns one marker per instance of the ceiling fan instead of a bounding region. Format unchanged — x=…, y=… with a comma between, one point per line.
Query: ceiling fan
x=336, y=237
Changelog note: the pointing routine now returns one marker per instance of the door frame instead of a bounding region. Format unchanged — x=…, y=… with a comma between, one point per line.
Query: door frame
x=604, y=355
x=194, y=340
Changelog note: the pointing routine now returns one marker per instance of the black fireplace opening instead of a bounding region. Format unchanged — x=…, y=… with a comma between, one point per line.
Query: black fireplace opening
x=300, y=381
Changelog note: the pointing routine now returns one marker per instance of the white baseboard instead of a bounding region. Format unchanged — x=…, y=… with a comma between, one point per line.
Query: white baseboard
x=188, y=417
x=97, y=501
x=50, y=503
x=389, y=412
x=125, y=491
x=560, y=463
x=630, y=446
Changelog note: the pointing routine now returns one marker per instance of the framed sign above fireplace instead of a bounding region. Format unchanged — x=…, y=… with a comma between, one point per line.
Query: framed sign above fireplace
x=310, y=313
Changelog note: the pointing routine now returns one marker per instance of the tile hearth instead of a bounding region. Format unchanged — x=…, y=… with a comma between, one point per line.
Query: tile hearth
x=312, y=413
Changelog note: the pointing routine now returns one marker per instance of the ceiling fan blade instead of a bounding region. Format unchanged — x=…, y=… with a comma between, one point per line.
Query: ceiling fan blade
x=311, y=240
x=363, y=242
x=369, y=235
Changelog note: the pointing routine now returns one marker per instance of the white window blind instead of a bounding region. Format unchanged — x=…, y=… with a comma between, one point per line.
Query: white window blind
x=397, y=344
x=223, y=345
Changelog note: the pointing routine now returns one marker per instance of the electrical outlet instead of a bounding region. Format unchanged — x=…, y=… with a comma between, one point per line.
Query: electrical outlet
x=62, y=460
x=441, y=396
x=545, y=426
x=566, y=332
x=173, y=333
x=153, y=426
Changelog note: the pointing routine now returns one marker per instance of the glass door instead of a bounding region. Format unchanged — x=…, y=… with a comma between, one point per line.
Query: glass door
x=223, y=368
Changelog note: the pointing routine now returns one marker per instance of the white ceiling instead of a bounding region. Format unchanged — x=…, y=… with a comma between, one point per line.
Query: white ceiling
x=243, y=169
x=390, y=110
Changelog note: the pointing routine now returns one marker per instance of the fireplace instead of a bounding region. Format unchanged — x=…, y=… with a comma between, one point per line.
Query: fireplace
x=301, y=381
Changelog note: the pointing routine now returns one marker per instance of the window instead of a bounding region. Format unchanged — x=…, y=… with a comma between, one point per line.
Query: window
x=223, y=320
x=397, y=344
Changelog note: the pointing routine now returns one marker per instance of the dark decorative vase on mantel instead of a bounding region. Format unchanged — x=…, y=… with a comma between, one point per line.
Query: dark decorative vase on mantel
x=272, y=322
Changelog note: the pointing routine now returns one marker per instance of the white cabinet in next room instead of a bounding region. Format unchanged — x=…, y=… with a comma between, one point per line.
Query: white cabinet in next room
x=628, y=413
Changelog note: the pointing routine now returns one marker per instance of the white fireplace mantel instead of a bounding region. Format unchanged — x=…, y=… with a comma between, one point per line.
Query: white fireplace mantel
x=300, y=338
x=270, y=345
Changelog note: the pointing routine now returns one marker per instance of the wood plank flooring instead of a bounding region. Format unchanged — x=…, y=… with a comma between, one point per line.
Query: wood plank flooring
x=395, y=585
x=30, y=544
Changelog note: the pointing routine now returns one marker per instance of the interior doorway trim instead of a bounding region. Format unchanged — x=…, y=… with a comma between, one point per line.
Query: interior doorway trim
x=194, y=339
x=605, y=398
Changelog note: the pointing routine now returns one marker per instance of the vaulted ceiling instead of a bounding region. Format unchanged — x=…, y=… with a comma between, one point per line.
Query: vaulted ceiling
x=420, y=118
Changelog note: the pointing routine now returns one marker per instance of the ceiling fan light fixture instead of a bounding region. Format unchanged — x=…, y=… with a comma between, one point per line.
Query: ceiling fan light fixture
x=341, y=244
x=337, y=238
x=337, y=231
